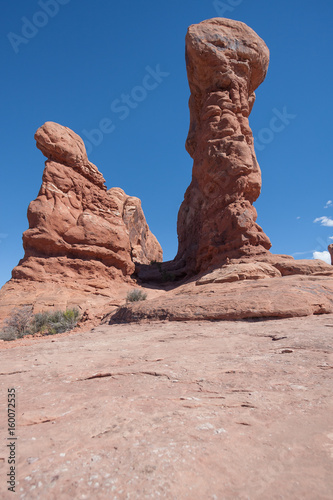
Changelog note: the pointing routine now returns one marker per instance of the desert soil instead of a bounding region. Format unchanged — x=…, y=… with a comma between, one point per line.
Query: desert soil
x=175, y=410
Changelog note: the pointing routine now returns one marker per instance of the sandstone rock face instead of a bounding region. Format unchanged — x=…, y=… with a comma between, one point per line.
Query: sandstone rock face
x=305, y=267
x=239, y=272
x=75, y=216
x=80, y=234
x=235, y=296
x=175, y=411
x=186, y=411
x=226, y=62
x=144, y=245
x=62, y=145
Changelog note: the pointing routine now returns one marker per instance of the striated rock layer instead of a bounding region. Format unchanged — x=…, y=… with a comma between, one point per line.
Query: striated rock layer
x=80, y=235
x=228, y=296
x=226, y=62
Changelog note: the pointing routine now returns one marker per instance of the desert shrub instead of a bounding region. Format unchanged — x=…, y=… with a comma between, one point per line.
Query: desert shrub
x=136, y=296
x=7, y=335
x=51, y=322
x=18, y=324
x=72, y=316
x=40, y=322
x=22, y=322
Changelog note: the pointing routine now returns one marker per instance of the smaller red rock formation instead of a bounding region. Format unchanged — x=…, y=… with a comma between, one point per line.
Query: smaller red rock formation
x=75, y=216
x=80, y=235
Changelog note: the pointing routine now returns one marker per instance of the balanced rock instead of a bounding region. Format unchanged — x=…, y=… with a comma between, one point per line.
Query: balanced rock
x=226, y=62
x=80, y=235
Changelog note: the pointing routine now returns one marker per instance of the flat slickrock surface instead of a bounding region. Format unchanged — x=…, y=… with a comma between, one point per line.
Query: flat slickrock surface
x=174, y=410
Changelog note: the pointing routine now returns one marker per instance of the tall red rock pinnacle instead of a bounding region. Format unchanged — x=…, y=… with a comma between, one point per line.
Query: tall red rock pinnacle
x=226, y=61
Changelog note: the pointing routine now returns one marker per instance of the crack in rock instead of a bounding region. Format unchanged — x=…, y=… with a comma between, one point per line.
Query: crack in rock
x=15, y=373
x=104, y=375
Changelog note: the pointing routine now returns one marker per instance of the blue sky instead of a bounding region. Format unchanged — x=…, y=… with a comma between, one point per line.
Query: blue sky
x=74, y=61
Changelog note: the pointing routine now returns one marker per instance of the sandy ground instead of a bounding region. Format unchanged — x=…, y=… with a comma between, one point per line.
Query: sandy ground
x=174, y=410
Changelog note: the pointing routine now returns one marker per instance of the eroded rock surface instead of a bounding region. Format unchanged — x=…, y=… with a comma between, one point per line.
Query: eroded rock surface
x=185, y=411
x=239, y=272
x=233, y=294
x=81, y=236
x=226, y=62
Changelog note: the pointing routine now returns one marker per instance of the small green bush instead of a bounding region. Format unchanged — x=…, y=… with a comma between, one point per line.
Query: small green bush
x=51, y=322
x=136, y=296
x=22, y=322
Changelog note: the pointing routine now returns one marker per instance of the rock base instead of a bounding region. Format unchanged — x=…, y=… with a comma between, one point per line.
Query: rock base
x=281, y=288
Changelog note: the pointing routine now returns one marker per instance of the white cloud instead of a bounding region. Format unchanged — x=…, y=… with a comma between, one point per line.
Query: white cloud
x=296, y=254
x=325, y=256
x=328, y=204
x=330, y=237
x=298, y=218
x=324, y=221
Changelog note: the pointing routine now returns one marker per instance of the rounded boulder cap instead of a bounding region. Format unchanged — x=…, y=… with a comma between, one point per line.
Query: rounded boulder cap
x=212, y=44
x=62, y=145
